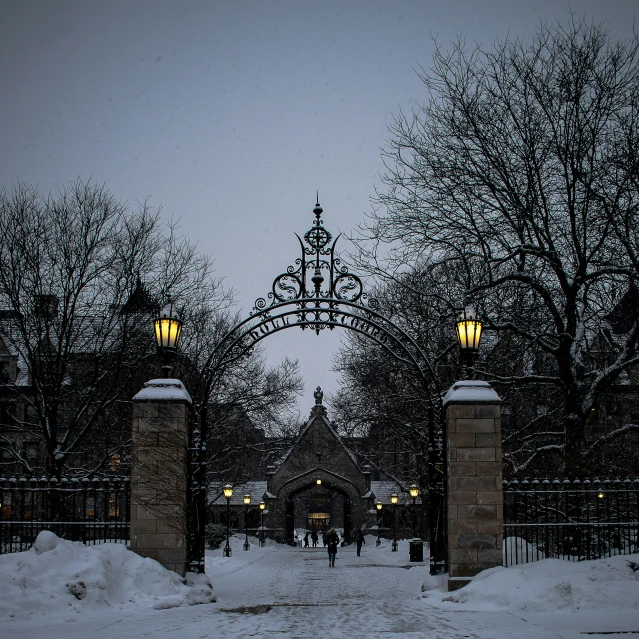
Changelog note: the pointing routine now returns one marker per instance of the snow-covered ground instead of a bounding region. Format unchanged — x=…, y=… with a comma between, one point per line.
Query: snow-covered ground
x=65, y=590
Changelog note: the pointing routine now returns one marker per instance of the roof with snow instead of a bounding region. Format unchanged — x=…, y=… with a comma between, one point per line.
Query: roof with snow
x=256, y=489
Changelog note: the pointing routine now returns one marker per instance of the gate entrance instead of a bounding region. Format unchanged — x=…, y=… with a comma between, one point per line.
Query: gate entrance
x=317, y=293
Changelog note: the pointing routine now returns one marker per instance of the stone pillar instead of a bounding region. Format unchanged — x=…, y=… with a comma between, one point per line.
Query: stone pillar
x=159, y=473
x=475, y=494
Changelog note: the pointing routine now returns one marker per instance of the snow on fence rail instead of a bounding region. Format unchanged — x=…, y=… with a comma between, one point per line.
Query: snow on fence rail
x=87, y=509
x=573, y=520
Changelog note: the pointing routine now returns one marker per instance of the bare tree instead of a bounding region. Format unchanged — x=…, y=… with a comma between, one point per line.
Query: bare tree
x=68, y=264
x=521, y=171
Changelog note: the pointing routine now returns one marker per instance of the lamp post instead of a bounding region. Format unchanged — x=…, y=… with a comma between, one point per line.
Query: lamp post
x=247, y=501
x=379, y=507
x=262, y=507
x=469, y=328
x=228, y=493
x=168, y=329
x=413, y=491
x=394, y=500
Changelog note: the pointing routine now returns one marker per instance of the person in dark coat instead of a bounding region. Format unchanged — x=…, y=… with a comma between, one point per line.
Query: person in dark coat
x=332, y=541
x=360, y=540
x=314, y=538
x=306, y=540
x=324, y=538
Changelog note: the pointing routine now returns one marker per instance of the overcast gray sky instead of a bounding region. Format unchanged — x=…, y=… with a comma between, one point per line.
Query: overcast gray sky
x=230, y=114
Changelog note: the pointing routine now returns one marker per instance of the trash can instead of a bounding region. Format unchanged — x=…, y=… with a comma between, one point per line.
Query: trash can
x=416, y=551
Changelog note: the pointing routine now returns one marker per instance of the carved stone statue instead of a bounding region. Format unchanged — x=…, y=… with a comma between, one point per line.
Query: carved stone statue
x=319, y=396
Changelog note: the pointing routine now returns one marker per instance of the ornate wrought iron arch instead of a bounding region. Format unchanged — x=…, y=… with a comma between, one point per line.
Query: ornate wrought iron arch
x=318, y=292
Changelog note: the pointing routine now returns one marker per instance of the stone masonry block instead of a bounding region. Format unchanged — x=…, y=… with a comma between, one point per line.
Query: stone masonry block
x=475, y=511
x=461, y=440
x=488, y=411
x=462, y=497
x=144, y=410
x=489, y=468
x=475, y=426
x=494, y=526
x=476, y=454
x=476, y=541
x=462, y=555
x=174, y=411
x=455, y=411
x=488, y=439
x=465, y=469
x=451, y=454
x=167, y=556
x=474, y=483
x=143, y=526
x=490, y=497
x=461, y=526
x=452, y=512
x=465, y=569
x=491, y=557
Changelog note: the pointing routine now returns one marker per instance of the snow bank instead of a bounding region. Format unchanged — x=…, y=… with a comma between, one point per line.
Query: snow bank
x=546, y=586
x=58, y=576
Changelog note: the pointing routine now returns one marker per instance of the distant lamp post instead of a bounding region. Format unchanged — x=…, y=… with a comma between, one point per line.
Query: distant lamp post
x=394, y=500
x=413, y=491
x=168, y=329
x=379, y=507
x=262, y=507
x=247, y=501
x=469, y=328
x=228, y=493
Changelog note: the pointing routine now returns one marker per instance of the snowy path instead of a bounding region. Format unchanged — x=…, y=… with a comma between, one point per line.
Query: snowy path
x=280, y=591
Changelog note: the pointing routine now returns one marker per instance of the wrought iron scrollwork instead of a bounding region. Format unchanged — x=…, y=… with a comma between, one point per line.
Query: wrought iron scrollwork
x=329, y=278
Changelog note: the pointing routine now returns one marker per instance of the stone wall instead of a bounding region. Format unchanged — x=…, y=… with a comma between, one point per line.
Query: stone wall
x=475, y=493
x=159, y=473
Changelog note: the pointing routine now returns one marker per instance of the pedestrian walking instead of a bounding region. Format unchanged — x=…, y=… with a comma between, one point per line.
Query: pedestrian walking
x=360, y=540
x=332, y=541
x=324, y=538
x=314, y=538
x=306, y=540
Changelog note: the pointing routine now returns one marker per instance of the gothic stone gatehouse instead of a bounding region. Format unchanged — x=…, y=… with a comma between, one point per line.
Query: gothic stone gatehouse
x=318, y=484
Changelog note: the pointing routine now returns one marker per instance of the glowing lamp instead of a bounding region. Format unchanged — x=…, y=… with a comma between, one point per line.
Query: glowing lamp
x=469, y=330
x=168, y=328
x=228, y=491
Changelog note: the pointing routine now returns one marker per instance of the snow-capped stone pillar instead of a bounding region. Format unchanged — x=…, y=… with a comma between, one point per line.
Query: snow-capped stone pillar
x=475, y=493
x=159, y=472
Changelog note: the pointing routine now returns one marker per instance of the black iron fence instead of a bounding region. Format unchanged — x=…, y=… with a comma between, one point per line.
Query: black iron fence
x=89, y=509
x=573, y=520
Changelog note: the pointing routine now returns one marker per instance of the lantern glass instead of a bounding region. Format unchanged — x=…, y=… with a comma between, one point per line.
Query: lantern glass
x=168, y=328
x=379, y=505
x=228, y=491
x=394, y=499
x=469, y=329
x=247, y=499
x=413, y=491
x=318, y=482
x=262, y=505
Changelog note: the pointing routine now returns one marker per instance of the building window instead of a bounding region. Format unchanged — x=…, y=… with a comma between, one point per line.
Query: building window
x=4, y=373
x=114, y=462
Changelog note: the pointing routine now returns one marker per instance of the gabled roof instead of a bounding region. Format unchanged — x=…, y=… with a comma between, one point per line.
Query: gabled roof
x=319, y=414
x=382, y=491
